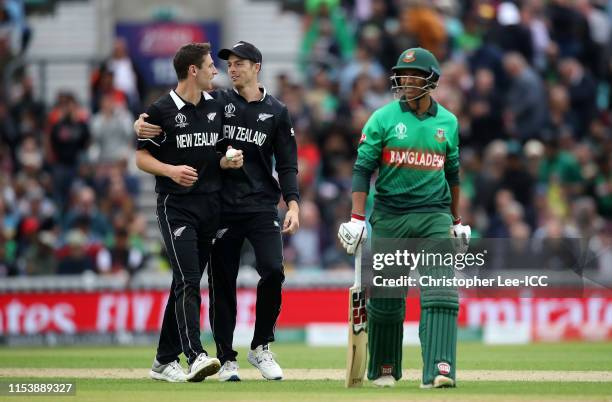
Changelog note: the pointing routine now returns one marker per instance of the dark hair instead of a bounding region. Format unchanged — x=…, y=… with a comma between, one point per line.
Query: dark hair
x=187, y=55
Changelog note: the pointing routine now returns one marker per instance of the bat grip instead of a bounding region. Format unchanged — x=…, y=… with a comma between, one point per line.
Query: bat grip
x=358, y=266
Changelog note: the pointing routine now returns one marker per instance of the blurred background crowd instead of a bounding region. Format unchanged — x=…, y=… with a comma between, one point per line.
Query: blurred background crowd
x=530, y=82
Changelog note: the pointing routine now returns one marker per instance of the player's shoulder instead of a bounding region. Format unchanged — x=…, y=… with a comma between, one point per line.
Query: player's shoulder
x=274, y=103
x=163, y=102
x=444, y=113
x=221, y=95
x=383, y=112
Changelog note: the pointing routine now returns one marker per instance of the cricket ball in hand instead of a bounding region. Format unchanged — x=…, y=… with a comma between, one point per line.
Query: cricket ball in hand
x=231, y=153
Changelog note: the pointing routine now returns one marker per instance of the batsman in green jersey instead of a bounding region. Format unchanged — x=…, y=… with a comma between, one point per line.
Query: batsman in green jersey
x=414, y=144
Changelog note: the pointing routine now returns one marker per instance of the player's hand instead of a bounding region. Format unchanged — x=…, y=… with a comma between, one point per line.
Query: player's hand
x=234, y=161
x=352, y=234
x=292, y=221
x=461, y=235
x=144, y=129
x=184, y=175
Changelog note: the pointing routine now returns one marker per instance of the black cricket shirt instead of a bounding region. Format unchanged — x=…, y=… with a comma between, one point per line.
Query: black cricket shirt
x=263, y=131
x=190, y=134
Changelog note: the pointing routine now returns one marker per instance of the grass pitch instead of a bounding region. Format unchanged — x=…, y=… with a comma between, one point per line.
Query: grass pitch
x=563, y=357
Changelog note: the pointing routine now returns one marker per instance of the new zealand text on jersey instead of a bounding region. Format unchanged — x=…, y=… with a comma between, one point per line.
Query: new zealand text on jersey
x=196, y=140
x=244, y=134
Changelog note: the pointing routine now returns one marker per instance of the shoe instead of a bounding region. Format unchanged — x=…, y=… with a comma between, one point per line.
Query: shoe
x=229, y=371
x=263, y=359
x=440, y=382
x=202, y=367
x=385, y=381
x=171, y=372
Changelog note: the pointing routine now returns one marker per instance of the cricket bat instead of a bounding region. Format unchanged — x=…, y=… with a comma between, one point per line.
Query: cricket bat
x=358, y=332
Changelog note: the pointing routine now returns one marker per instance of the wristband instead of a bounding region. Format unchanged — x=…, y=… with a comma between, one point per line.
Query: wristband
x=358, y=217
x=456, y=220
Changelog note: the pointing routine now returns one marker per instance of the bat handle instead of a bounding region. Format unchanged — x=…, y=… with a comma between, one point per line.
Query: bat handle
x=358, y=266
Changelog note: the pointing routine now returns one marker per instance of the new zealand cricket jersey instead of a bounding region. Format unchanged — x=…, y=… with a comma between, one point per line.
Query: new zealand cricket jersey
x=262, y=130
x=189, y=137
x=417, y=158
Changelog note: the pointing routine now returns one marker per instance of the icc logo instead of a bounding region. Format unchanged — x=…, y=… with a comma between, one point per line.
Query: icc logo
x=229, y=110
x=181, y=120
x=400, y=131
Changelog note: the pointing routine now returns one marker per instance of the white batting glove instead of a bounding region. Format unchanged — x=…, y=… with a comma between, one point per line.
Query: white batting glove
x=353, y=233
x=461, y=234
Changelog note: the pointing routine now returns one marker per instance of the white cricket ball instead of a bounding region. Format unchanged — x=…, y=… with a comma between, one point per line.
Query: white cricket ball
x=231, y=153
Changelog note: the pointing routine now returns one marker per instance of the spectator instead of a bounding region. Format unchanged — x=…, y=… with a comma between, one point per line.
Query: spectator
x=76, y=260
x=121, y=259
x=582, y=94
x=485, y=110
x=125, y=78
x=111, y=132
x=85, y=209
x=68, y=140
x=525, y=108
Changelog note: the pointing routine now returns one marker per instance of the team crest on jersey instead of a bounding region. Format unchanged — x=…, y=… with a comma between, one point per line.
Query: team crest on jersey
x=181, y=120
x=440, y=135
x=229, y=110
x=400, y=131
x=292, y=132
x=363, y=138
x=211, y=116
x=264, y=116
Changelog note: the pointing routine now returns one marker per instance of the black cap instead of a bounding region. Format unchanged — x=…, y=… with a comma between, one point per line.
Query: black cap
x=242, y=49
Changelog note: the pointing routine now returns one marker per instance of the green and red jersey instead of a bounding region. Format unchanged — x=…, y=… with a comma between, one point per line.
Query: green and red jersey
x=417, y=158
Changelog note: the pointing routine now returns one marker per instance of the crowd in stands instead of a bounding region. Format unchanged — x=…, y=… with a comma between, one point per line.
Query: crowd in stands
x=530, y=82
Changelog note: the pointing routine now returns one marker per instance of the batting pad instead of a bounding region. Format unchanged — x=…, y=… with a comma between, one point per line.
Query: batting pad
x=438, y=334
x=385, y=335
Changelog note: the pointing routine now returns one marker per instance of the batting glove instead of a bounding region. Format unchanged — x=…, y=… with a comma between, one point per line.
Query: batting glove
x=461, y=234
x=353, y=233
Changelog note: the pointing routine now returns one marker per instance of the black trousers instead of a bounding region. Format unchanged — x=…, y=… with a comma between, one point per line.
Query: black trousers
x=188, y=224
x=262, y=229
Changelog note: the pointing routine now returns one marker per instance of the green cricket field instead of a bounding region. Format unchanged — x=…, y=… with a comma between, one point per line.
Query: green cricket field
x=543, y=372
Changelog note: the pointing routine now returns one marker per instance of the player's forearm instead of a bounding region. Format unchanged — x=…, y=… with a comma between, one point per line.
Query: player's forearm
x=455, y=195
x=359, y=202
x=293, y=206
x=147, y=163
x=287, y=178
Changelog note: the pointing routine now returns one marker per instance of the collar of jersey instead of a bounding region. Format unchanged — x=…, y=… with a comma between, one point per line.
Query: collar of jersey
x=261, y=89
x=180, y=103
x=432, y=111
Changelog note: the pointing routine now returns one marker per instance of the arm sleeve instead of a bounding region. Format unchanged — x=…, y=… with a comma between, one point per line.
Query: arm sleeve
x=369, y=154
x=285, y=153
x=152, y=144
x=451, y=164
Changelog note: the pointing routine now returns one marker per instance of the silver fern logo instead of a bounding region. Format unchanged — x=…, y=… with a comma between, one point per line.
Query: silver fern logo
x=211, y=116
x=178, y=232
x=264, y=116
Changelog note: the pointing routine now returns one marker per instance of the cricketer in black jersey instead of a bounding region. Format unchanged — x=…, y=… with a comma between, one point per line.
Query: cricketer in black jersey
x=190, y=134
x=263, y=131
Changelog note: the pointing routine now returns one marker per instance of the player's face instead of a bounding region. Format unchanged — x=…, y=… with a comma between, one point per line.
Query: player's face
x=242, y=72
x=205, y=73
x=412, y=81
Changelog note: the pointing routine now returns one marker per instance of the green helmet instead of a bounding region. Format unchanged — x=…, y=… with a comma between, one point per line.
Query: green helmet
x=420, y=59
